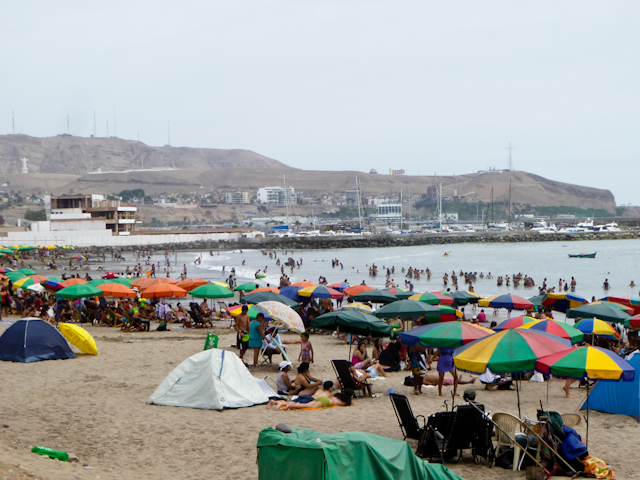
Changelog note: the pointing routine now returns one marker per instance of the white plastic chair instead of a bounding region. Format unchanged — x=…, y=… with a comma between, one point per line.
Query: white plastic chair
x=511, y=425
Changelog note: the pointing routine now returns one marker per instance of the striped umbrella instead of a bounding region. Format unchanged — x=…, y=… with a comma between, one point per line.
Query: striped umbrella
x=595, y=326
x=426, y=297
x=210, y=290
x=509, y=301
x=443, y=298
x=340, y=286
x=514, y=322
x=319, y=291
x=237, y=310
x=445, y=335
x=360, y=307
x=559, y=329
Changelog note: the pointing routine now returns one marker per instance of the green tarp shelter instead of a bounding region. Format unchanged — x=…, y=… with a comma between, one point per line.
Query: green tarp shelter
x=305, y=454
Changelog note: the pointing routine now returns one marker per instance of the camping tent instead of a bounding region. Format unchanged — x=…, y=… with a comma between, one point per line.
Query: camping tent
x=341, y=456
x=32, y=340
x=213, y=379
x=622, y=398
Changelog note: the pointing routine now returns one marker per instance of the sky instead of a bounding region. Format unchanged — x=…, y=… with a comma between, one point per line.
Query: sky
x=426, y=86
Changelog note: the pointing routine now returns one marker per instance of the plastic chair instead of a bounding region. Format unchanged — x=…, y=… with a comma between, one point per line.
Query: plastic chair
x=571, y=419
x=510, y=424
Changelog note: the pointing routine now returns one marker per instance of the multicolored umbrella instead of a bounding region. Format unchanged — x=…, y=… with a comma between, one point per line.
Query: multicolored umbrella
x=354, y=322
x=559, y=329
x=283, y=315
x=509, y=351
x=356, y=289
x=221, y=284
x=54, y=285
x=110, y=275
x=340, y=286
x=449, y=314
x=235, y=310
x=590, y=363
x=514, y=322
x=246, y=287
x=374, y=296
x=601, y=311
x=408, y=309
x=443, y=298
x=594, y=326
x=291, y=292
x=509, y=301
x=426, y=297
x=634, y=322
x=27, y=281
x=210, y=290
x=319, y=291
x=117, y=291
x=6, y=270
x=79, y=337
x=360, y=307
x=400, y=293
x=445, y=335
x=74, y=292
x=164, y=290
x=79, y=257
x=561, y=302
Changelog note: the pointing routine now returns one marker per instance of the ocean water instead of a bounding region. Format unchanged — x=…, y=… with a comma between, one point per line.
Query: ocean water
x=616, y=260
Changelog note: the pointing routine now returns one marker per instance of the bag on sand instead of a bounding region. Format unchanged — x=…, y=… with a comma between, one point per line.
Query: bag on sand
x=211, y=341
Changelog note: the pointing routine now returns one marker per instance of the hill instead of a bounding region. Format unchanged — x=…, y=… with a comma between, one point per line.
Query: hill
x=62, y=164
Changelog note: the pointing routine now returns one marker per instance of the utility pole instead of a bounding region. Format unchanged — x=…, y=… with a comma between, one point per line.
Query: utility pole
x=509, y=202
x=510, y=160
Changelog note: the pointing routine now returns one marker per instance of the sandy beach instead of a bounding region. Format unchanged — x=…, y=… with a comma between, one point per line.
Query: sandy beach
x=94, y=407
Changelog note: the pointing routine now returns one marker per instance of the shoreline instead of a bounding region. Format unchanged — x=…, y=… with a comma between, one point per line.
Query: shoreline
x=380, y=241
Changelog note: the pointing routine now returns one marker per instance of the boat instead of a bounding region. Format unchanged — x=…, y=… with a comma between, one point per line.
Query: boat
x=583, y=255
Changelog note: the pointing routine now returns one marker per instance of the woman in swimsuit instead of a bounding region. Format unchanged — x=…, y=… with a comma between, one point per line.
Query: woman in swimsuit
x=306, y=384
x=341, y=399
x=360, y=358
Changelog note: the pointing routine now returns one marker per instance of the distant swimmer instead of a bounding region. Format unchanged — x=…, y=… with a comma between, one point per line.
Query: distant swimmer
x=606, y=285
x=632, y=284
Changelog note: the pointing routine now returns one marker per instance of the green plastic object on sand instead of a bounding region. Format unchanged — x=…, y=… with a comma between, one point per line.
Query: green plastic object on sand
x=49, y=452
x=211, y=341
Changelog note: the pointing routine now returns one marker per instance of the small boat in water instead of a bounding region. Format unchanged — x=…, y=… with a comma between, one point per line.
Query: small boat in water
x=583, y=255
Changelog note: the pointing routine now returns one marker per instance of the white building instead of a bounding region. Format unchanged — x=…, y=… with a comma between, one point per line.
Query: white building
x=236, y=197
x=277, y=196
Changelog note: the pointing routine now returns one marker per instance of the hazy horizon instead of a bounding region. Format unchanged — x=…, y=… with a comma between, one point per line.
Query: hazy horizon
x=423, y=86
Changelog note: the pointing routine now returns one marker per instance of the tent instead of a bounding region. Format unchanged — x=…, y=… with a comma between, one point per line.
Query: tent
x=341, y=456
x=213, y=379
x=32, y=340
x=622, y=398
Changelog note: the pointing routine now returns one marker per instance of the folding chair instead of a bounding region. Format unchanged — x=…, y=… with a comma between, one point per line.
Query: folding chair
x=343, y=372
x=408, y=421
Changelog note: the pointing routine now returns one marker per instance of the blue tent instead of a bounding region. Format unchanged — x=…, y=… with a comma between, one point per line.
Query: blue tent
x=31, y=340
x=621, y=398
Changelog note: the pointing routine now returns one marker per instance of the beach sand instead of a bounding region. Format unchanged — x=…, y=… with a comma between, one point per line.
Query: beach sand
x=94, y=407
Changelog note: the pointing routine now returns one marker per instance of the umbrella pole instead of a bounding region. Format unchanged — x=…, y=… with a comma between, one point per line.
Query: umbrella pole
x=518, y=392
x=587, y=443
x=548, y=380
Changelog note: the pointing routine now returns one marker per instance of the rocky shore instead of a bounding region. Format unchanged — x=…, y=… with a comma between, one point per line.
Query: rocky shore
x=387, y=240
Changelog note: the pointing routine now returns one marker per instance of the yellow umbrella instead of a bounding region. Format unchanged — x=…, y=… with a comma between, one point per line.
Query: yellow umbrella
x=51, y=247
x=221, y=284
x=79, y=337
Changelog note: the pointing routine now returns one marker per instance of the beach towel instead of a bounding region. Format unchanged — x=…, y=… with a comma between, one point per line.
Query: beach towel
x=597, y=467
x=319, y=408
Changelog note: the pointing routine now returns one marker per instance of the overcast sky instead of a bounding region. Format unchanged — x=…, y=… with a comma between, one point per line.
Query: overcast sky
x=421, y=85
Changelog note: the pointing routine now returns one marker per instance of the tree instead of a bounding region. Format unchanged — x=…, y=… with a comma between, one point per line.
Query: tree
x=35, y=215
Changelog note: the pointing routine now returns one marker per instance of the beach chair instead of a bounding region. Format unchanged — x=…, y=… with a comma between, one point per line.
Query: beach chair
x=408, y=421
x=571, y=419
x=511, y=425
x=343, y=372
x=433, y=436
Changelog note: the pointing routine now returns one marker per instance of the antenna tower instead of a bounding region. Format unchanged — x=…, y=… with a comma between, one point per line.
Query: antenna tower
x=510, y=159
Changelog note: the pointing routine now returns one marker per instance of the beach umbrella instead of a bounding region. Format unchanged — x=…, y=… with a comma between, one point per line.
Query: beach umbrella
x=164, y=290
x=116, y=290
x=110, y=275
x=51, y=247
x=96, y=282
x=266, y=289
x=443, y=298
x=354, y=322
x=26, y=248
x=360, y=307
x=235, y=310
x=78, y=290
x=340, y=286
x=594, y=326
x=400, y=293
x=79, y=257
x=408, y=309
x=374, y=296
x=508, y=351
x=561, y=302
x=319, y=291
x=291, y=292
x=559, y=329
x=79, y=337
x=587, y=363
x=191, y=283
x=304, y=284
x=6, y=270
x=449, y=314
x=246, y=287
x=144, y=283
x=2, y=254
x=27, y=281
x=28, y=271
x=282, y=315
x=535, y=301
x=461, y=298
x=221, y=284
x=209, y=290
x=426, y=297
x=619, y=306
x=14, y=247
x=14, y=276
x=514, y=322
x=54, y=284
x=75, y=281
x=634, y=322
x=7, y=251
x=121, y=281
x=446, y=335
x=601, y=311
x=257, y=297
x=357, y=289
x=511, y=302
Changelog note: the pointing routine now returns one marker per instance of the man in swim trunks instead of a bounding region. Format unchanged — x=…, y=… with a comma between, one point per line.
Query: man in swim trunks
x=242, y=330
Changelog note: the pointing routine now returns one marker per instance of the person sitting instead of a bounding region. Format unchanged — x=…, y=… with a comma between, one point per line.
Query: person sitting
x=359, y=376
x=360, y=359
x=283, y=383
x=491, y=381
x=340, y=399
x=389, y=358
x=270, y=344
x=305, y=383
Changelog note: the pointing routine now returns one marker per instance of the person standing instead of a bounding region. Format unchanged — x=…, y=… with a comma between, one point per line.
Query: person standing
x=242, y=329
x=256, y=335
x=445, y=364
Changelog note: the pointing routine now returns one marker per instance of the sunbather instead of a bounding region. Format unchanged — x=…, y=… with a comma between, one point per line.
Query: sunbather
x=342, y=399
x=305, y=383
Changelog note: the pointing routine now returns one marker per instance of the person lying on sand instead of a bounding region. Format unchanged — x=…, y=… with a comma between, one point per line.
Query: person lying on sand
x=433, y=380
x=341, y=399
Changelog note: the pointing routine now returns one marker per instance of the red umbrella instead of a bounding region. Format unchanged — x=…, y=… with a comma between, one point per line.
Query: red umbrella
x=110, y=275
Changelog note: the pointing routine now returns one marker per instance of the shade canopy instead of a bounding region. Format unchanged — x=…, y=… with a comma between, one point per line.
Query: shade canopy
x=354, y=322
x=407, y=309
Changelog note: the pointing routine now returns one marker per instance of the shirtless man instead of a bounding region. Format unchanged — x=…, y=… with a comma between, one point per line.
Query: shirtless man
x=242, y=329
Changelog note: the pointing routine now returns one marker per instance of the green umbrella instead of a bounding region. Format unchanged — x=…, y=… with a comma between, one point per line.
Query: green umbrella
x=211, y=290
x=426, y=297
x=354, y=322
x=598, y=310
x=24, y=249
x=8, y=251
x=407, y=309
x=246, y=287
x=268, y=297
x=375, y=296
x=28, y=271
x=537, y=301
x=96, y=282
x=54, y=279
x=79, y=290
x=14, y=276
x=122, y=281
